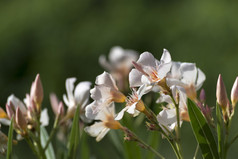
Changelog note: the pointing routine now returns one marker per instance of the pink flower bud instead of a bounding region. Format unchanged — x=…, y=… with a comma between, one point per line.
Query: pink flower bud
x=9, y=110
x=37, y=90
x=20, y=120
x=234, y=92
x=202, y=96
x=61, y=109
x=54, y=103
x=221, y=94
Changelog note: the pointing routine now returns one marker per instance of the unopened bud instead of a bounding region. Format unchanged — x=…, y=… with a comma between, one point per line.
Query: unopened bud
x=202, y=96
x=54, y=103
x=37, y=90
x=9, y=110
x=221, y=94
x=151, y=126
x=20, y=120
x=234, y=93
x=61, y=111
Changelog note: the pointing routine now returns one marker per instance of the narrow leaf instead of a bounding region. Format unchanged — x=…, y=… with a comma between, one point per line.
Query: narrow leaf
x=202, y=132
x=10, y=138
x=220, y=130
x=74, y=136
x=49, y=152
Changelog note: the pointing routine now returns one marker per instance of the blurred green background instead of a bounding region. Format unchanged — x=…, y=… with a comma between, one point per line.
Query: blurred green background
x=64, y=38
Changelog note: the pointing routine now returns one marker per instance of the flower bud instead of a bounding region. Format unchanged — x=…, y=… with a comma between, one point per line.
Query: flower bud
x=54, y=103
x=37, y=91
x=60, y=111
x=221, y=94
x=234, y=93
x=202, y=96
x=9, y=110
x=20, y=120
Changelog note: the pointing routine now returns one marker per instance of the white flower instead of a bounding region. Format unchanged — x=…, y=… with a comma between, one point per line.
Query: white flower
x=119, y=60
x=134, y=103
x=104, y=93
x=185, y=75
x=4, y=119
x=76, y=97
x=168, y=117
x=107, y=122
x=149, y=70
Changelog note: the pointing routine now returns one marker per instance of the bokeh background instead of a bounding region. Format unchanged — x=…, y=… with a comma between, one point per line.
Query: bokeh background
x=64, y=38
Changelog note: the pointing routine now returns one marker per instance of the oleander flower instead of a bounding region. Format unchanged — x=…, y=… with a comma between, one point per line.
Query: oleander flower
x=119, y=64
x=168, y=117
x=104, y=93
x=107, y=121
x=149, y=70
x=4, y=119
x=186, y=75
x=134, y=103
x=78, y=96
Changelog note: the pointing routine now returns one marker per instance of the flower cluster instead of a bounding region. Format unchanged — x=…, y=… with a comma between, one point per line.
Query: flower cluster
x=122, y=90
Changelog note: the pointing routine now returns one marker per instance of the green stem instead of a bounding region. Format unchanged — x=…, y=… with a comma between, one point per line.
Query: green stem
x=134, y=137
x=177, y=129
x=152, y=117
x=52, y=133
x=32, y=147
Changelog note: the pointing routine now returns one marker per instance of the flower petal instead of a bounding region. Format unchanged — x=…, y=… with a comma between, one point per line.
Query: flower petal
x=121, y=113
x=166, y=57
x=200, y=79
x=135, y=78
x=147, y=59
x=95, y=129
x=81, y=93
x=17, y=103
x=106, y=79
x=189, y=73
x=69, y=83
x=44, y=117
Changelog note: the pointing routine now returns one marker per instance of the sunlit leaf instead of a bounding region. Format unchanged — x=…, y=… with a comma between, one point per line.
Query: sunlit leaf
x=74, y=136
x=49, y=152
x=202, y=132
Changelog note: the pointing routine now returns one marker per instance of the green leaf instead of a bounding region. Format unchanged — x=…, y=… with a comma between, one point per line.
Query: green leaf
x=220, y=130
x=10, y=138
x=202, y=132
x=154, y=141
x=49, y=152
x=74, y=136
